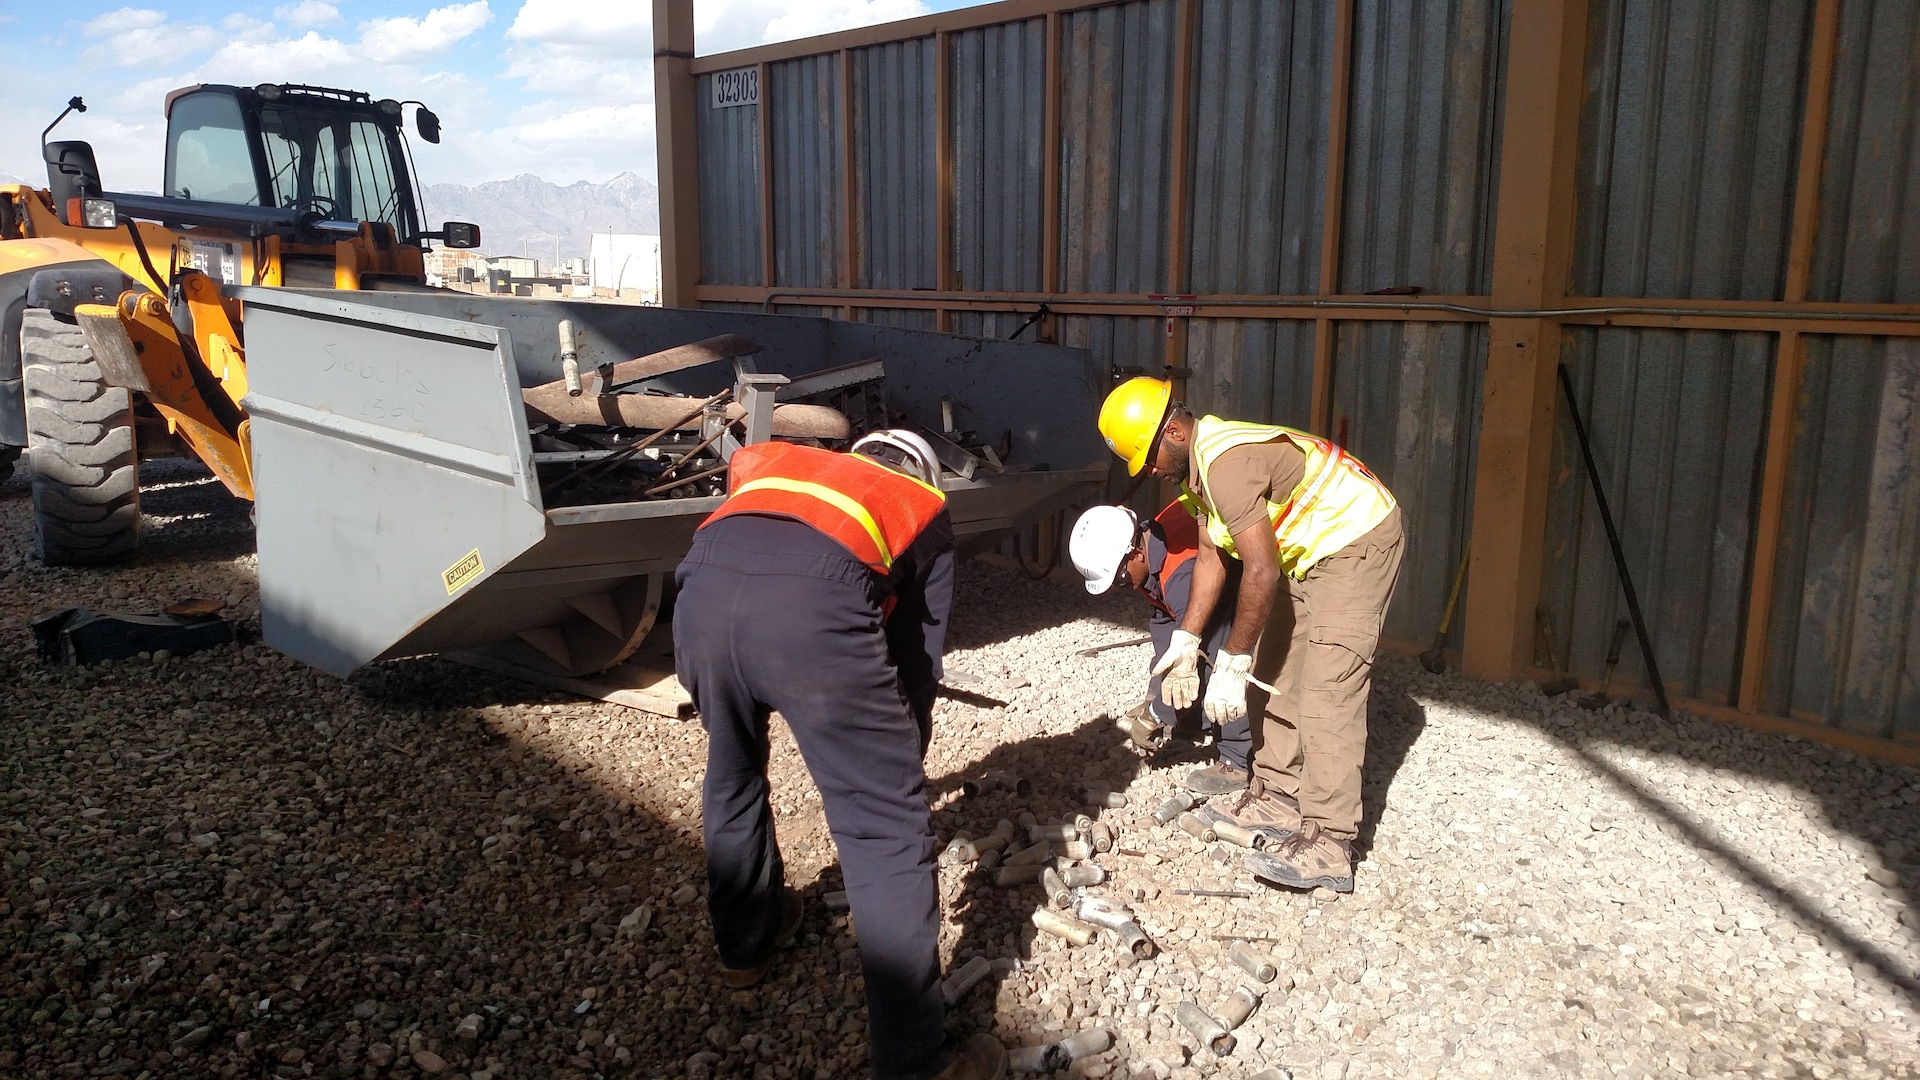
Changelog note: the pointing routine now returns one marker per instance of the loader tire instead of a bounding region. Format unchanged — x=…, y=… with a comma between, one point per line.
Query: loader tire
x=85, y=477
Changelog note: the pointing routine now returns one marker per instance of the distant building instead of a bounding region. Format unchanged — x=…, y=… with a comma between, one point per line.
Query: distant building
x=515, y=265
x=455, y=268
x=625, y=265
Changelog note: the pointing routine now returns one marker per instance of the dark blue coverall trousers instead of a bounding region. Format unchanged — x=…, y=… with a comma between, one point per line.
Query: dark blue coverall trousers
x=774, y=616
x=1234, y=743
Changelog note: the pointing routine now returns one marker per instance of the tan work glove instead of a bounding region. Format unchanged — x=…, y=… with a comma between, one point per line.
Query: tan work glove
x=1226, y=699
x=1179, y=671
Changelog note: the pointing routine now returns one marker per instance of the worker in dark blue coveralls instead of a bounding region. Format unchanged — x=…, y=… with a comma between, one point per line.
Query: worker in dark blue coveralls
x=1109, y=546
x=821, y=590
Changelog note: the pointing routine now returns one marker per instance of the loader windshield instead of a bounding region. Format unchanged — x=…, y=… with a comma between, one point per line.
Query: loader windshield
x=341, y=162
x=207, y=153
x=339, y=159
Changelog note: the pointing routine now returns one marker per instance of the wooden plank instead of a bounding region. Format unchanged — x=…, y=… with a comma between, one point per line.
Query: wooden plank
x=1180, y=170
x=642, y=683
x=1788, y=359
x=968, y=18
x=1050, y=163
x=1332, y=205
x=1546, y=70
x=943, y=165
x=768, y=267
x=849, y=183
x=1813, y=147
x=677, y=149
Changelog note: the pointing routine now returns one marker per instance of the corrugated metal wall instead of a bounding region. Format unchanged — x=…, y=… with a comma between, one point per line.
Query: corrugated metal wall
x=1252, y=369
x=1688, y=147
x=1844, y=640
x=1262, y=78
x=1677, y=420
x=998, y=114
x=1868, y=246
x=893, y=139
x=1406, y=401
x=729, y=190
x=1115, y=132
x=1423, y=146
x=804, y=109
x=1688, y=160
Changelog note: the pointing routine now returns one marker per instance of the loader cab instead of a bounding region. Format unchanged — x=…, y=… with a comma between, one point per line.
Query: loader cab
x=334, y=158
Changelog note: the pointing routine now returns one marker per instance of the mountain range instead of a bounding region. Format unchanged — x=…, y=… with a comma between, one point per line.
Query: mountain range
x=524, y=215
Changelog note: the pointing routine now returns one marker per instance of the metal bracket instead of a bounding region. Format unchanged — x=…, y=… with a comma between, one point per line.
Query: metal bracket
x=756, y=394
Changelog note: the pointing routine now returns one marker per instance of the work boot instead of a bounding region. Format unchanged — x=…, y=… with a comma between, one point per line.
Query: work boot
x=1311, y=859
x=1219, y=778
x=981, y=1057
x=1261, y=809
x=792, y=909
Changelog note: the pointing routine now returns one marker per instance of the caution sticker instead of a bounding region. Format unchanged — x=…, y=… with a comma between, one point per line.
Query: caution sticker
x=464, y=571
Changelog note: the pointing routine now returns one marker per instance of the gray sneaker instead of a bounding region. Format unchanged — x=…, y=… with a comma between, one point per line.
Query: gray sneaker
x=1219, y=778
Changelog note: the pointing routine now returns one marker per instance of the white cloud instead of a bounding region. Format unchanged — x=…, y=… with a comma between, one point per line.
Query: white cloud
x=724, y=25
x=605, y=25
x=307, y=13
x=142, y=37
x=406, y=38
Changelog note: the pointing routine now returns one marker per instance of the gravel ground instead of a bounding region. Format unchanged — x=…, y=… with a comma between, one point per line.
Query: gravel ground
x=228, y=864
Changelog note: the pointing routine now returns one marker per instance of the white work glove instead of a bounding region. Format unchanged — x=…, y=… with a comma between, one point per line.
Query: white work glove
x=1179, y=670
x=1226, y=699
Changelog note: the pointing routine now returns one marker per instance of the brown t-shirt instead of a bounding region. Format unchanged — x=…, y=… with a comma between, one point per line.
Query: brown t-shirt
x=1244, y=479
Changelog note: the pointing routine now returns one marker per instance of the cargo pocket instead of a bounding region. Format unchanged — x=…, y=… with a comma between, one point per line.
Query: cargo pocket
x=1340, y=652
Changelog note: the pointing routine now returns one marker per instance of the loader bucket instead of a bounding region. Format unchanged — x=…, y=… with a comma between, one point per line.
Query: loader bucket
x=398, y=505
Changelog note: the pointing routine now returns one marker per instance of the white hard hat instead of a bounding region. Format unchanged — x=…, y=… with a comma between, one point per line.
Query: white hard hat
x=902, y=449
x=1102, y=539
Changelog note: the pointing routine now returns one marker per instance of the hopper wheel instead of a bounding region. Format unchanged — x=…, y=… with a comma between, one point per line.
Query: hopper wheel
x=600, y=630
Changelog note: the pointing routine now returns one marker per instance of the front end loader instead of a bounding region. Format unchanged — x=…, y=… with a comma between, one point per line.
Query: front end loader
x=116, y=342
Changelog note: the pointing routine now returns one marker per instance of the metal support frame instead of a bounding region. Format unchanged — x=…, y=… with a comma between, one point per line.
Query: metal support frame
x=1527, y=309
x=674, y=86
x=1532, y=252
x=1332, y=206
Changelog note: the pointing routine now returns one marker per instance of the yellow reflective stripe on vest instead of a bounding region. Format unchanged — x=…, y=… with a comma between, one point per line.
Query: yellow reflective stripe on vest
x=1336, y=502
x=838, y=500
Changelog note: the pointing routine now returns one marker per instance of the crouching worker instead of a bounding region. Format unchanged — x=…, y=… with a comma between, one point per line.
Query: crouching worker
x=1110, y=546
x=820, y=589
x=1319, y=542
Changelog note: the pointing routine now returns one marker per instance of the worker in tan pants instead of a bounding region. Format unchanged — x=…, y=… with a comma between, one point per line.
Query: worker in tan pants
x=1320, y=542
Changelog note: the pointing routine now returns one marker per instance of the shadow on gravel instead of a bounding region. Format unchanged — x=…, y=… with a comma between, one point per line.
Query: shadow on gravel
x=995, y=921
x=1394, y=724
x=188, y=515
x=1853, y=793
x=264, y=876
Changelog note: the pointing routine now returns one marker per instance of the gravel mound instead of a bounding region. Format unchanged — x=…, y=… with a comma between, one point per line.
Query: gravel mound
x=229, y=864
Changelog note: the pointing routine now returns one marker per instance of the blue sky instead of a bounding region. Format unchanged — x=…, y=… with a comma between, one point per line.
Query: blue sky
x=559, y=88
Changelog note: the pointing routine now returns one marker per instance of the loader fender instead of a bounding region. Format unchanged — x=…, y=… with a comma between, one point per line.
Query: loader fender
x=21, y=261
x=64, y=288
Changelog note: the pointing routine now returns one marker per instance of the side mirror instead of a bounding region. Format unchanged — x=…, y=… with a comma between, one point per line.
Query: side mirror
x=461, y=234
x=428, y=125
x=71, y=174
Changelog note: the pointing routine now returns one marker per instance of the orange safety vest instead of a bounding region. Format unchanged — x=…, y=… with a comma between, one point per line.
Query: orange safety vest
x=1180, y=532
x=869, y=509
x=1337, y=502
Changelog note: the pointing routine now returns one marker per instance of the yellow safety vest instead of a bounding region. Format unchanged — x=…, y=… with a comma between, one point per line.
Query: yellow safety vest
x=1337, y=502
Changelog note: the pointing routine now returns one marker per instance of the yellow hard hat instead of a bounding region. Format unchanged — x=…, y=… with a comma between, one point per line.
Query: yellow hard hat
x=1131, y=416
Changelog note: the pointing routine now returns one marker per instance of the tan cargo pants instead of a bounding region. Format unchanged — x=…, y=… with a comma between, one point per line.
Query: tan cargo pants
x=1310, y=736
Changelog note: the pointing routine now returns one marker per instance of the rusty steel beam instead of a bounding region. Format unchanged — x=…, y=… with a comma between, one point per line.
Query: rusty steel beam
x=678, y=152
x=943, y=173
x=1332, y=208
x=1050, y=163
x=1533, y=245
x=850, y=185
x=1813, y=148
x=1179, y=176
x=904, y=30
x=764, y=123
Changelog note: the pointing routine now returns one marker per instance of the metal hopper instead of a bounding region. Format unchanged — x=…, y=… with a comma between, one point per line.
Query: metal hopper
x=399, y=495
